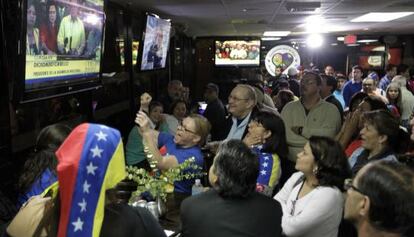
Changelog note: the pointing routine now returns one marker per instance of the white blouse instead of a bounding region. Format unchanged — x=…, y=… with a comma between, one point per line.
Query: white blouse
x=317, y=214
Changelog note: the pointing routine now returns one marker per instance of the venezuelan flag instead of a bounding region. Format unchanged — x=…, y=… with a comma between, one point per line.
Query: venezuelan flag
x=91, y=160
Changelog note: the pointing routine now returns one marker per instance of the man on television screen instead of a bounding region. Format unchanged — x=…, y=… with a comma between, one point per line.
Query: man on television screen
x=155, y=51
x=71, y=36
x=238, y=53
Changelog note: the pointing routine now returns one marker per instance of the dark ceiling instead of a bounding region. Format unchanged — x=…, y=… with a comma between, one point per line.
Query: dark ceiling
x=253, y=17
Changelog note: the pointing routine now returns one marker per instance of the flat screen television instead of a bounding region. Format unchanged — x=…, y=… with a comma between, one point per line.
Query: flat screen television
x=62, y=46
x=156, y=43
x=237, y=52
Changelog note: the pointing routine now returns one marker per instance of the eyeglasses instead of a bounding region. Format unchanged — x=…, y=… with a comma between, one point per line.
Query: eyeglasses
x=235, y=98
x=181, y=127
x=348, y=185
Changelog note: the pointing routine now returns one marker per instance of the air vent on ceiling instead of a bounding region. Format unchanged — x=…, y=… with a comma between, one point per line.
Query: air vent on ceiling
x=248, y=21
x=302, y=6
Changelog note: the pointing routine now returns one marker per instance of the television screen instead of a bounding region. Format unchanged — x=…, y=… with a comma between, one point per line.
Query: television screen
x=156, y=43
x=237, y=52
x=63, y=42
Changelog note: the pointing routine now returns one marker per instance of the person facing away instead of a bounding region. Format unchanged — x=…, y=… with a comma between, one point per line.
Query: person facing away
x=39, y=171
x=215, y=112
x=232, y=207
x=379, y=200
x=312, y=201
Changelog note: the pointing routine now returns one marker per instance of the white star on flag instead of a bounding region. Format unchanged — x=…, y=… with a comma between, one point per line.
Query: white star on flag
x=77, y=225
x=82, y=205
x=263, y=172
x=86, y=187
x=96, y=151
x=101, y=136
x=266, y=158
x=91, y=169
x=265, y=164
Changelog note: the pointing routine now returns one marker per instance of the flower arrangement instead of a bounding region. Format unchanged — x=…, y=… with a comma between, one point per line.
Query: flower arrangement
x=157, y=183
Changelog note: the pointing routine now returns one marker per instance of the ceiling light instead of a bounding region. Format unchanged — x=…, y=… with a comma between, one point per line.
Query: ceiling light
x=334, y=44
x=381, y=16
x=271, y=38
x=314, y=40
x=367, y=41
x=276, y=33
x=352, y=45
x=340, y=38
x=315, y=23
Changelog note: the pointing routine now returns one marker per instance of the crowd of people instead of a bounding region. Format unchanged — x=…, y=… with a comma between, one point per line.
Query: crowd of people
x=55, y=28
x=285, y=164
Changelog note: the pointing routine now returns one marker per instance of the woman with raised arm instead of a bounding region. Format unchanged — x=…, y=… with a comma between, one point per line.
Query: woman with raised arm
x=169, y=151
x=134, y=150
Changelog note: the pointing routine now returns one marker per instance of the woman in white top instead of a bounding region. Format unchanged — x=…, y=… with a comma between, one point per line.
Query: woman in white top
x=311, y=200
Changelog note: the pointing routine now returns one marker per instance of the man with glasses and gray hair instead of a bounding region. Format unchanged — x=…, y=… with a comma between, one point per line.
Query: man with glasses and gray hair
x=242, y=107
x=380, y=199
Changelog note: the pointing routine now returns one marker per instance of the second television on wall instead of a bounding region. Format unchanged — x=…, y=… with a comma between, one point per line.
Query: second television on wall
x=156, y=43
x=237, y=52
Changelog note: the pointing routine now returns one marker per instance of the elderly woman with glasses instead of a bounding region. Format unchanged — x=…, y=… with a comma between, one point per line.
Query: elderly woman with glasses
x=312, y=201
x=169, y=151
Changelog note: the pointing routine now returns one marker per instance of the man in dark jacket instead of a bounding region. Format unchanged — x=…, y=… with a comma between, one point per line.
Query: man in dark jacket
x=215, y=111
x=232, y=207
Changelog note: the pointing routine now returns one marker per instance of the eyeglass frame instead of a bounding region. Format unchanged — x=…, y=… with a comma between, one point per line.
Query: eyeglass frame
x=180, y=125
x=348, y=185
x=236, y=99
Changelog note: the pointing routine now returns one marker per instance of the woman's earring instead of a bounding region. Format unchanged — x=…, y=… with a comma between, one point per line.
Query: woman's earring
x=315, y=170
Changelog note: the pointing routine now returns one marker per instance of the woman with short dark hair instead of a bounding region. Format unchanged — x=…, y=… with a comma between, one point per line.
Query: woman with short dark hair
x=311, y=199
x=267, y=138
x=379, y=139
